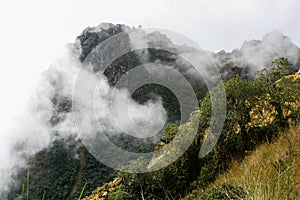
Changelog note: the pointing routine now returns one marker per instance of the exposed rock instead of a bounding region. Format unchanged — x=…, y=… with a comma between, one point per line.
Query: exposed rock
x=58, y=163
x=102, y=193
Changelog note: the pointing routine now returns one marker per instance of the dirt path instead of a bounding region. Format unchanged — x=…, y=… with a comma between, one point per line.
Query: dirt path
x=79, y=174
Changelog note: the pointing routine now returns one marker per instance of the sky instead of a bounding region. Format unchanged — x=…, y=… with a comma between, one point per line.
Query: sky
x=34, y=33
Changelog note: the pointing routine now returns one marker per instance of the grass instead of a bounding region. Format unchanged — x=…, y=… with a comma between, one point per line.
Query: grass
x=81, y=193
x=28, y=181
x=44, y=194
x=27, y=185
x=23, y=191
x=272, y=171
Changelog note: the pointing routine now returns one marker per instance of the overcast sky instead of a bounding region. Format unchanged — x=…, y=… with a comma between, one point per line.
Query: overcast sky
x=34, y=32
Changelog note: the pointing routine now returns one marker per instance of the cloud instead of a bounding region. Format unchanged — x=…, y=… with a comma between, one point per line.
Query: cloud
x=33, y=33
x=93, y=103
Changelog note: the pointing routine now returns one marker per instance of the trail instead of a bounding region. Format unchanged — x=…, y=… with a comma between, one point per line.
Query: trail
x=79, y=174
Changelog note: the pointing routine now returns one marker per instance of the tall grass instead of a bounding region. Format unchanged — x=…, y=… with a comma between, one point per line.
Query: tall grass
x=23, y=191
x=44, y=195
x=27, y=185
x=82, y=191
x=272, y=171
x=28, y=179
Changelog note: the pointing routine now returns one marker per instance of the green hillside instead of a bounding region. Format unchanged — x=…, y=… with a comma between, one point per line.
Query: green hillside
x=255, y=157
x=260, y=113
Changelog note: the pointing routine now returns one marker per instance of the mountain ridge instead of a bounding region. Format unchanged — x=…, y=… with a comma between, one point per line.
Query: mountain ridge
x=230, y=64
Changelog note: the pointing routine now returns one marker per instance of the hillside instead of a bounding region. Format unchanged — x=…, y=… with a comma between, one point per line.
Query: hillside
x=271, y=171
x=259, y=107
x=260, y=165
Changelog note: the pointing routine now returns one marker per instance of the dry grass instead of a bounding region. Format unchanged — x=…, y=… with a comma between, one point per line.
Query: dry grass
x=272, y=171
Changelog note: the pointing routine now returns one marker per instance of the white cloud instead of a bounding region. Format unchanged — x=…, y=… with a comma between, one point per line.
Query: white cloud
x=33, y=32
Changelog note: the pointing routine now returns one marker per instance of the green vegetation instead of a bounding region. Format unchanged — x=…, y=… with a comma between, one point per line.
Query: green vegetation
x=61, y=172
x=257, y=112
x=44, y=196
x=271, y=171
x=27, y=185
x=81, y=193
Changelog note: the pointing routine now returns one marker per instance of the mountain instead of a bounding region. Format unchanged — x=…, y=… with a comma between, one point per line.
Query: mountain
x=62, y=169
x=255, y=157
x=255, y=55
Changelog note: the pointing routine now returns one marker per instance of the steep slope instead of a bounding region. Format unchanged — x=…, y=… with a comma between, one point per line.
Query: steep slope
x=269, y=172
x=239, y=150
x=61, y=170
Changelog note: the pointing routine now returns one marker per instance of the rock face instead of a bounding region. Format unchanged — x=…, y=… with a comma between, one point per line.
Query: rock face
x=253, y=55
x=92, y=36
x=62, y=169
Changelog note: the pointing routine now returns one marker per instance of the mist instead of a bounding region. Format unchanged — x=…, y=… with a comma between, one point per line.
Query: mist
x=96, y=101
x=33, y=129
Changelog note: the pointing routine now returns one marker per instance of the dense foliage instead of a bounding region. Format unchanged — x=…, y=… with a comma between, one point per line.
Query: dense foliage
x=256, y=111
x=61, y=172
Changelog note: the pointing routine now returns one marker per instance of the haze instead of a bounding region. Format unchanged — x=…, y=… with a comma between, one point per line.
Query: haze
x=35, y=32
